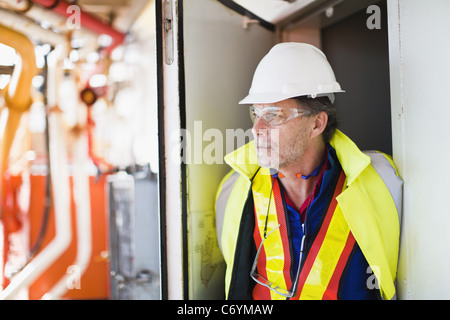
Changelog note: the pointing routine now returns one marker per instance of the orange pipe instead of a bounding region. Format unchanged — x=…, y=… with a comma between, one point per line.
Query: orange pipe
x=17, y=97
x=17, y=94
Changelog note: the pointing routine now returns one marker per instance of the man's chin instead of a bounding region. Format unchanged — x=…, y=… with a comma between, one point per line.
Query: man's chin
x=268, y=163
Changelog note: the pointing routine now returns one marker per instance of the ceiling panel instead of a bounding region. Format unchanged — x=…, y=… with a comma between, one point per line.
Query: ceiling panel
x=273, y=11
x=122, y=13
x=288, y=14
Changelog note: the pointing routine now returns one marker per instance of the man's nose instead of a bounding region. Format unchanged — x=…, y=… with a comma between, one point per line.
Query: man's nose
x=259, y=126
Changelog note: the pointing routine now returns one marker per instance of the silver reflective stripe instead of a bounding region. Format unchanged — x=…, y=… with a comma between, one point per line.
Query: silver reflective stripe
x=392, y=181
x=390, y=178
x=221, y=204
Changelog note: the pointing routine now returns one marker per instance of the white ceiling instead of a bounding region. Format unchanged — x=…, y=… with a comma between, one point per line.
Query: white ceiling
x=122, y=13
x=273, y=11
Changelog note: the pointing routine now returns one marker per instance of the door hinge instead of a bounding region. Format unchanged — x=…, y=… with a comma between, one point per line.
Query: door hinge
x=168, y=31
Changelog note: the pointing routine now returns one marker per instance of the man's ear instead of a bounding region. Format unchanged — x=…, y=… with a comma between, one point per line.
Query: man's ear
x=320, y=123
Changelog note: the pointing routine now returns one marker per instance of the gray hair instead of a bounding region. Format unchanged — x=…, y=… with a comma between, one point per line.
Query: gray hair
x=317, y=105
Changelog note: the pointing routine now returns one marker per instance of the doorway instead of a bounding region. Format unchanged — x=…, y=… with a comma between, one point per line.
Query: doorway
x=360, y=59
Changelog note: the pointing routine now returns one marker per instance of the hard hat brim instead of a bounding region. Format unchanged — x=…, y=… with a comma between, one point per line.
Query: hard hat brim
x=265, y=98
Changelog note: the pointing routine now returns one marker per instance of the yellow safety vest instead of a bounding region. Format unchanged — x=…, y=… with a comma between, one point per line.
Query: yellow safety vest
x=364, y=211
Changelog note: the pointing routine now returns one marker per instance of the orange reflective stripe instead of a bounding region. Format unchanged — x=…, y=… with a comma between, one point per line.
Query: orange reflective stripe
x=281, y=214
x=333, y=285
x=260, y=292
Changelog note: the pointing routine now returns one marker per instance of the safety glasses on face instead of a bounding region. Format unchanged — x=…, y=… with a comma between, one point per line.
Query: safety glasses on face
x=275, y=116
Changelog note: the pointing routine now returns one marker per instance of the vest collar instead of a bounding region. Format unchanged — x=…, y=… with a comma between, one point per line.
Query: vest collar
x=352, y=160
x=244, y=159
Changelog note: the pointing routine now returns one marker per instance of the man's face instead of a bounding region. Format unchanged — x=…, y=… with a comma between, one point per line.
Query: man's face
x=279, y=146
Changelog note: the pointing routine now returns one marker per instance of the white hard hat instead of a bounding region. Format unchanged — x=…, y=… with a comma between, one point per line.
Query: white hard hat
x=291, y=70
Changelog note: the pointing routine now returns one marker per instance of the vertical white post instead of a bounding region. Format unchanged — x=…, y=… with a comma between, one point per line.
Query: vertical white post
x=420, y=111
x=172, y=125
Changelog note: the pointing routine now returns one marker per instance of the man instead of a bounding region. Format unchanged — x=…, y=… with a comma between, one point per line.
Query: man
x=304, y=214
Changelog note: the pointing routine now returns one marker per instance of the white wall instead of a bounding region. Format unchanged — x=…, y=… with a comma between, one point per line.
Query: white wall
x=220, y=58
x=420, y=82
